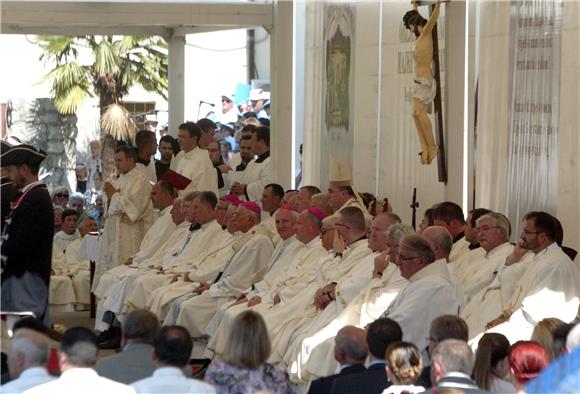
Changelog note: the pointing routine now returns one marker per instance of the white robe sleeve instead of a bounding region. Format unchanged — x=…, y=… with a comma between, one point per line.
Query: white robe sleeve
x=255, y=189
x=133, y=200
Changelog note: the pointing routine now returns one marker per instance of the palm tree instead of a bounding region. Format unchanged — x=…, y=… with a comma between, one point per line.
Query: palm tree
x=119, y=62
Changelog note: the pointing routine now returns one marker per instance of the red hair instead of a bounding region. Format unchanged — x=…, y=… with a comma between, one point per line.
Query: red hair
x=527, y=359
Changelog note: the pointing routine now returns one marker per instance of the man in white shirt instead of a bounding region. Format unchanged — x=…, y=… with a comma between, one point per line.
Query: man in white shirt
x=146, y=149
x=450, y=215
x=129, y=212
x=172, y=348
x=29, y=352
x=193, y=162
x=429, y=293
x=77, y=358
x=258, y=172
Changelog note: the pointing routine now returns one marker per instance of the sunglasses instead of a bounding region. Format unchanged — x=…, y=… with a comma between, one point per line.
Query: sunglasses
x=61, y=195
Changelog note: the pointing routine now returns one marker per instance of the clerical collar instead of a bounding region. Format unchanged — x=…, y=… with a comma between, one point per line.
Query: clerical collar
x=144, y=162
x=458, y=237
x=194, y=226
x=474, y=246
x=241, y=167
x=262, y=157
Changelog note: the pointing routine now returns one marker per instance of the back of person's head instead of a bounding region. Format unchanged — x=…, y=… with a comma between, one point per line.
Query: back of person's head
x=380, y=334
x=28, y=348
x=262, y=134
x=573, y=338
x=404, y=362
x=452, y=355
x=248, y=344
x=141, y=325
x=79, y=344
x=144, y=137
x=492, y=349
x=172, y=346
x=355, y=218
x=449, y=327
x=560, y=335
x=448, y=211
x=527, y=360
x=350, y=345
x=544, y=334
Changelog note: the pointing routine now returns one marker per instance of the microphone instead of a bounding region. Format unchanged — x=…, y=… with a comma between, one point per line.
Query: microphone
x=208, y=103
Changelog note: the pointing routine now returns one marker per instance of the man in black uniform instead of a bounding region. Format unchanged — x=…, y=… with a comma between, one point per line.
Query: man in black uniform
x=7, y=192
x=27, y=236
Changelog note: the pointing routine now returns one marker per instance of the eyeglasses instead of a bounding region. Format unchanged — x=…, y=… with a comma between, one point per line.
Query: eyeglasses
x=530, y=232
x=403, y=258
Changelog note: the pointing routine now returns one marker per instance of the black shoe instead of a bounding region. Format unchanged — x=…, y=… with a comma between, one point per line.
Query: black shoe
x=112, y=343
x=110, y=333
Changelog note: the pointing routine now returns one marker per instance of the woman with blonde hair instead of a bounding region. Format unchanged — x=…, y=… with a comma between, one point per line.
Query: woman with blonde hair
x=492, y=369
x=404, y=366
x=243, y=368
x=544, y=334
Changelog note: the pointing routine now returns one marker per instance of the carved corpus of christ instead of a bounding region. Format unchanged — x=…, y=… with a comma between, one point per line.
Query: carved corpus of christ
x=425, y=86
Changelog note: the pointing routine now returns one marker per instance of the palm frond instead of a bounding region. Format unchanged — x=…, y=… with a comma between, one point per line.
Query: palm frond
x=105, y=58
x=67, y=102
x=117, y=123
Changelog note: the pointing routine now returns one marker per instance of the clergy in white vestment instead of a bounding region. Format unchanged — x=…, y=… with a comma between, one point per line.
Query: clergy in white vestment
x=349, y=289
x=253, y=252
x=350, y=242
x=258, y=172
x=113, y=279
x=193, y=162
x=146, y=143
x=284, y=258
x=442, y=244
x=493, y=232
x=29, y=352
x=450, y=215
x=470, y=233
x=161, y=299
x=204, y=237
x=270, y=202
x=549, y=287
x=128, y=210
x=61, y=290
x=301, y=258
x=428, y=294
x=77, y=359
x=155, y=240
x=240, y=160
x=341, y=192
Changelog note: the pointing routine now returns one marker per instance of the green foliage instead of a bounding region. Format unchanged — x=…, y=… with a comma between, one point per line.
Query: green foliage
x=118, y=63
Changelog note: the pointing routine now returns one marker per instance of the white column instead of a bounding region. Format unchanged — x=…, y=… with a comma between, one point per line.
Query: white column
x=281, y=97
x=176, y=44
x=454, y=108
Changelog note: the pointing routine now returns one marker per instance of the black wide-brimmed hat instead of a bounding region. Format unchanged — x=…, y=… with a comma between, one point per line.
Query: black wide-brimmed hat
x=21, y=154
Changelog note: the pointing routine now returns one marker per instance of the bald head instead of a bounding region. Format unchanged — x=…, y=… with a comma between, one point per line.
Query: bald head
x=441, y=241
x=351, y=345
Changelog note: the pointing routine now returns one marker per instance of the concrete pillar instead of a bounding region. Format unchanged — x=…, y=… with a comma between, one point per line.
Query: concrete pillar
x=281, y=97
x=176, y=65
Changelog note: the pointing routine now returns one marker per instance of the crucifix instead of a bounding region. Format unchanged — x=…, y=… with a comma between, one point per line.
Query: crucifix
x=427, y=85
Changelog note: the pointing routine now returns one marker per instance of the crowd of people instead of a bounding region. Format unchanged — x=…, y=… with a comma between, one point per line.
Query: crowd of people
x=273, y=290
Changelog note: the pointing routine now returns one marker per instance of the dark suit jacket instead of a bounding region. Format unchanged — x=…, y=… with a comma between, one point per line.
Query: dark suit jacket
x=324, y=385
x=372, y=381
x=458, y=381
x=135, y=362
